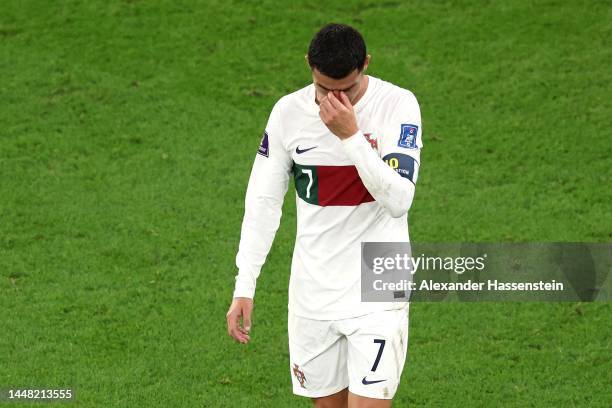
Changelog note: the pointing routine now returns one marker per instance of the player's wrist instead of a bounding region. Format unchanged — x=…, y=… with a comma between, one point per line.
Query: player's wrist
x=244, y=290
x=241, y=299
x=352, y=137
x=355, y=141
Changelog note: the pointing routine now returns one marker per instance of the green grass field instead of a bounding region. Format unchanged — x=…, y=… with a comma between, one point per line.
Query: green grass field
x=128, y=129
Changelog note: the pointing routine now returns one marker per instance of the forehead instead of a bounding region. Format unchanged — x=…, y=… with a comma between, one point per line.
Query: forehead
x=335, y=84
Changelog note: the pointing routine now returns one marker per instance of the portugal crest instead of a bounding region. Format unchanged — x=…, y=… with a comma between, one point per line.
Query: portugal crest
x=373, y=142
x=299, y=375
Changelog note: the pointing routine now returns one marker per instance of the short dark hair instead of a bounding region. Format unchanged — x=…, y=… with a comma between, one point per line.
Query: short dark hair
x=337, y=50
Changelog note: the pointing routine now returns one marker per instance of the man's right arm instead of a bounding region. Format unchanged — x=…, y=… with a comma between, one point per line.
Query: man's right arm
x=262, y=212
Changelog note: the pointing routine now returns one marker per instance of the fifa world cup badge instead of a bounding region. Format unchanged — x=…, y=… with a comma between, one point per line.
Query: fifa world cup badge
x=408, y=136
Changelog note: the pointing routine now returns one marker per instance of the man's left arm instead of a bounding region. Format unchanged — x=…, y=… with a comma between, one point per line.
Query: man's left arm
x=391, y=179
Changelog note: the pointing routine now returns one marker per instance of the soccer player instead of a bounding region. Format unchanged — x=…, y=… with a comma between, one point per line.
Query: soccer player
x=352, y=144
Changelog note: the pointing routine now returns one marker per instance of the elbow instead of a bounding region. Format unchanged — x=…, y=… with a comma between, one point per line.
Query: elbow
x=400, y=207
x=397, y=212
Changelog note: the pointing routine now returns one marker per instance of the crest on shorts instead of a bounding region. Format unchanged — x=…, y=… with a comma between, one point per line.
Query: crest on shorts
x=299, y=375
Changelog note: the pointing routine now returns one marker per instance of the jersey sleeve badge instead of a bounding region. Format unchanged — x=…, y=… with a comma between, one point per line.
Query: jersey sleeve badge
x=408, y=136
x=264, y=148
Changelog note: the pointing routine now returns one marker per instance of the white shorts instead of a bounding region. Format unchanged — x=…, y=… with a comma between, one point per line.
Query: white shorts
x=365, y=354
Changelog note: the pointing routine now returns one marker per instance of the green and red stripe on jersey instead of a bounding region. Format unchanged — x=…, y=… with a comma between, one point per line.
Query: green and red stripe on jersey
x=330, y=185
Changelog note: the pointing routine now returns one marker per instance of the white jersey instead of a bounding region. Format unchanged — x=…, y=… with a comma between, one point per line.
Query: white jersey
x=347, y=192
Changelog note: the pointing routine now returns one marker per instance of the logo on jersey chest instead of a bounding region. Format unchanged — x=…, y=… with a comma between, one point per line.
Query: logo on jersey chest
x=300, y=151
x=372, y=140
